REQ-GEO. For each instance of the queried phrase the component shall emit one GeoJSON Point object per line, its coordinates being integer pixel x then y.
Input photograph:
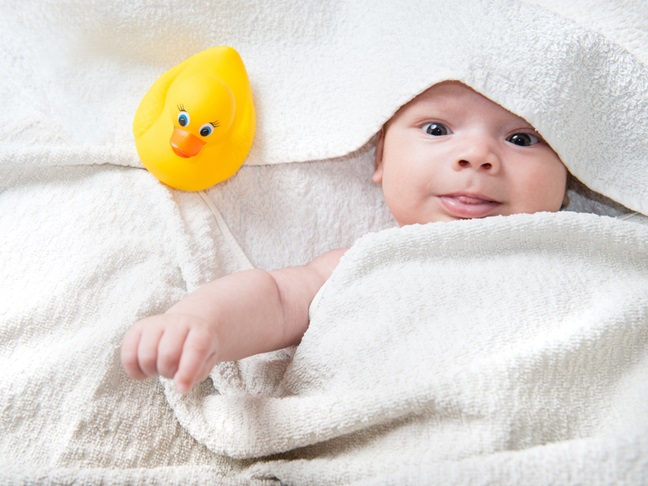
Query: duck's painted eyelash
{"type": "Point", "coordinates": [214, 124]}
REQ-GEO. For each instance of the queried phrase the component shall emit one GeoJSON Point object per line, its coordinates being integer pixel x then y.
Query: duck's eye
{"type": "Point", "coordinates": [206, 130]}
{"type": "Point", "coordinates": [183, 118]}
{"type": "Point", "coordinates": [523, 139]}
{"type": "Point", "coordinates": [436, 129]}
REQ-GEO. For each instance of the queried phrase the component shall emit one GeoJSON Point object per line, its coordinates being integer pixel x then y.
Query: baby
{"type": "Point", "coordinates": [448, 154]}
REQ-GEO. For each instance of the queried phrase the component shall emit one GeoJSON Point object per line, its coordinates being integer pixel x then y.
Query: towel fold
{"type": "Point", "coordinates": [467, 341]}
{"type": "Point", "coordinates": [322, 91]}
{"type": "Point", "coordinates": [91, 241]}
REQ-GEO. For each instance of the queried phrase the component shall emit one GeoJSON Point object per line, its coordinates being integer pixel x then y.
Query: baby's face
{"type": "Point", "coordinates": [453, 154]}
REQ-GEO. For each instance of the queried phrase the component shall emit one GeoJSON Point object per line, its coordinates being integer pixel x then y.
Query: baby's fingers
{"type": "Point", "coordinates": [170, 350]}
{"type": "Point", "coordinates": [147, 348]}
{"type": "Point", "coordinates": [197, 352]}
{"type": "Point", "coordinates": [129, 356]}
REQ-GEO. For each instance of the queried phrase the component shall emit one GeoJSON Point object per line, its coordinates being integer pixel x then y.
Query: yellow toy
{"type": "Point", "coordinates": [195, 126]}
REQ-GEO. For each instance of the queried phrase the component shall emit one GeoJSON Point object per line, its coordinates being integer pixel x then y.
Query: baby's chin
{"type": "Point", "coordinates": [436, 219]}
{"type": "Point", "coordinates": [448, 219]}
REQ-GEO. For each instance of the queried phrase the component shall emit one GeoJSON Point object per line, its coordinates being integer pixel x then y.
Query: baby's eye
{"type": "Point", "coordinates": [436, 129]}
{"type": "Point", "coordinates": [183, 118]}
{"type": "Point", "coordinates": [523, 139]}
{"type": "Point", "coordinates": [206, 130]}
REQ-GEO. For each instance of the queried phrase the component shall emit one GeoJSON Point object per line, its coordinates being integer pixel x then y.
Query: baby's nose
{"type": "Point", "coordinates": [482, 165]}
{"type": "Point", "coordinates": [478, 155]}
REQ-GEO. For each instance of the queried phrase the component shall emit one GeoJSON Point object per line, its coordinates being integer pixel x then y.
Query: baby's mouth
{"type": "Point", "coordinates": [461, 205]}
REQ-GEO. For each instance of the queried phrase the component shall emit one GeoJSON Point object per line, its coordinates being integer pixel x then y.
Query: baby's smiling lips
{"type": "Point", "coordinates": [464, 205]}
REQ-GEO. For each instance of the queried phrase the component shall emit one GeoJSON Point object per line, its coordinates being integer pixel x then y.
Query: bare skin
{"type": "Point", "coordinates": [233, 317]}
{"type": "Point", "coordinates": [449, 154]}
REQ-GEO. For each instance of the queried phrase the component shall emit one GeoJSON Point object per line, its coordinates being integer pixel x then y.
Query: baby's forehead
{"type": "Point", "coordinates": [449, 93]}
{"type": "Point", "coordinates": [453, 96]}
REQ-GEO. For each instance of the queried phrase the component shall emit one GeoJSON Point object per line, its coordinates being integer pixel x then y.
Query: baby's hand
{"type": "Point", "coordinates": [178, 346]}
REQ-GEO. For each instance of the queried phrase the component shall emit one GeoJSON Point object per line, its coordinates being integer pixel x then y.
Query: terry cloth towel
{"type": "Point", "coordinates": [90, 241]}
{"type": "Point", "coordinates": [435, 345]}
{"type": "Point", "coordinates": [327, 75]}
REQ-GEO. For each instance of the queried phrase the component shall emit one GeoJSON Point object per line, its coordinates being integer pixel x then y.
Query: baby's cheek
{"type": "Point", "coordinates": [548, 197]}
{"type": "Point", "coordinates": [548, 182]}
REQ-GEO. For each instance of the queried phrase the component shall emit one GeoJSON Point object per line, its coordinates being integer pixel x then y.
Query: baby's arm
{"type": "Point", "coordinates": [236, 316]}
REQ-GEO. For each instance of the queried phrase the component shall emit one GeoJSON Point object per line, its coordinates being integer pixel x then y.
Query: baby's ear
{"type": "Point", "coordinates": [568, 184]}
{"type": "Point", "coordinates": [378, 162]}
{"type": "Point", "coordinates": [565, 202]}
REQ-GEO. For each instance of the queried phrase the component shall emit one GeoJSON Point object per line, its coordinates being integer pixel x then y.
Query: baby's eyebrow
{"type": "Point", "coordinates": [533, 129]}
{"type": "Point", "coordinates": [527, 128]}
{"type": "Point", "coordinates": [436, 104]}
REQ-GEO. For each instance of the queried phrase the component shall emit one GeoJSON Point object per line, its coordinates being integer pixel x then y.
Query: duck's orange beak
{"type": "Point", "coordinates": [185, 144]}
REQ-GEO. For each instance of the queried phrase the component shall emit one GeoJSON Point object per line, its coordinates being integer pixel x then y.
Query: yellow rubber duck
{"type": "Point", "coordinates": [194, 127]}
